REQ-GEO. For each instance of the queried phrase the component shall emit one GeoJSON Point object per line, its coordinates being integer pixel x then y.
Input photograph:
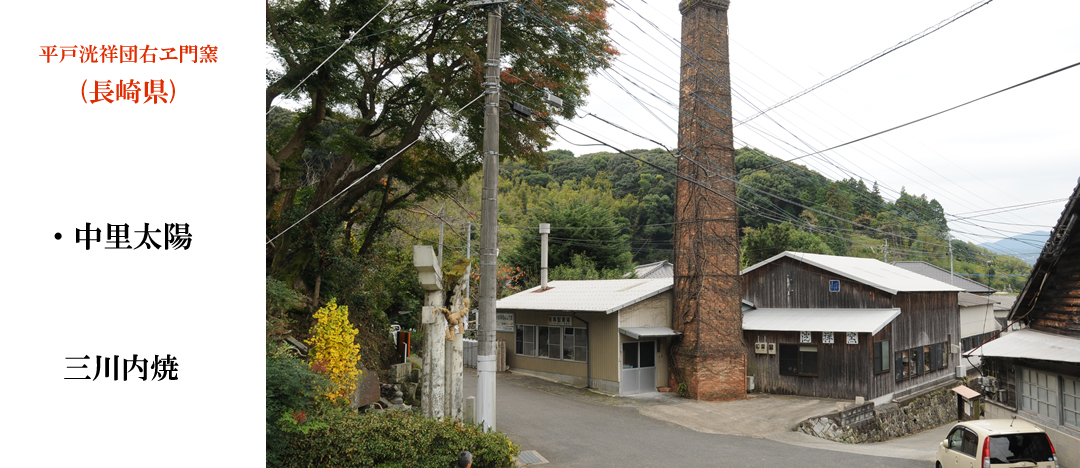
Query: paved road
{"type": "Point", "coordinates": [571, 427]}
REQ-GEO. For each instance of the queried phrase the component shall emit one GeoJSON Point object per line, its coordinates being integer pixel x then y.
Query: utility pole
{"type": "Point", "coordinates": [952, 275]}
{"type": "Point", "coordinates": [489, 207]}
{"type": "Point", "coordinates": [886, 250]}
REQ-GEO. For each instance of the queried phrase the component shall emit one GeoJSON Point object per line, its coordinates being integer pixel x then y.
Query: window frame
{"type": "Point", "coordinates": [800, 364]}
{"type": "Point", "coordinates": [576, 348]}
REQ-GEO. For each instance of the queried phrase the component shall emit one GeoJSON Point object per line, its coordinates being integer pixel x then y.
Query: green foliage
{"type": "Point", "coordinates": [582, 267]}
{"type": "Point", "coordinates": [291, 386]}
{"type": "Point", "coordinates": [395, 439]}
{"type": "Point", "coordinates": [585, 219]}
{"type": "Point", "coordinates": [760, 244]}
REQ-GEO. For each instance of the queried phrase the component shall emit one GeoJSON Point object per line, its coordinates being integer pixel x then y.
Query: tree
{"type": "Point", "coordinates": [760, 244]}
{"type": "Point", "coordinates": [394, 89]}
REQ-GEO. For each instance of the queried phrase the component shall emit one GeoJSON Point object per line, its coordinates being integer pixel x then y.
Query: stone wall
{"type": "Point", "coordinates": [890, 421]}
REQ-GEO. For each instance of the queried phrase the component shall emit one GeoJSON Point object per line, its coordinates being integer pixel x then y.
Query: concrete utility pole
{"type": "Point", "coordinates": [489, 207]}
{"type": "Point", "coordinates": [951, 274]}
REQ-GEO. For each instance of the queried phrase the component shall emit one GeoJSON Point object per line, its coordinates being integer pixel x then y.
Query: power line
{"type": "Point", "coordinates": [883, 53]}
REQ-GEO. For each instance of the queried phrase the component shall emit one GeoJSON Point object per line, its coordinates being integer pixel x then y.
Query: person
{"type": "Point", "coordinates": [464, 460]}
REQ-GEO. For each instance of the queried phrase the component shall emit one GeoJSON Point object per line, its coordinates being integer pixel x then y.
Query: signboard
{"type": "Point", "coordinates": [559, 320]}
{"type": "Point", "coordinates": [827, 337]}
{"type": "Point", "coordinates": [834, 285]}
{"type": "Point", "coordinates": [504, 323]}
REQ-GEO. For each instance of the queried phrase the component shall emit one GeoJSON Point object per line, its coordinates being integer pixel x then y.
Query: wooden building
{"type": "Point", "coordinates": [611, 335]}
{"type": "Point", "coordinates": [844, 327]}
{"type": "Point", "coordinates": [1034, 372]}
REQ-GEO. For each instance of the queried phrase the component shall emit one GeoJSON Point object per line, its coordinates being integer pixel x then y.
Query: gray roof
{"type": "Point", "coordinates": [646, 332]}
{"type": "Point", "coordinates": [586, 295]}
{"type": "Point", "coordinates": [971, 300]}
{"type": "Point", "coordinates": [1031, 344]}
{"type": "Point", "coordinates": [868, 271]}
{"type": "Point", "coordinates": [943, 275]}
{"type": "Point", "coordinates": [661, 269]}
{"type": "Point", "coordinates": [835, 320]}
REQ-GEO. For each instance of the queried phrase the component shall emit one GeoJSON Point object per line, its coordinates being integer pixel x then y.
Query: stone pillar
{"type": "Point", "coordinates": [710, 357]}
{"type": "Point", "coordinates": [433, 325]}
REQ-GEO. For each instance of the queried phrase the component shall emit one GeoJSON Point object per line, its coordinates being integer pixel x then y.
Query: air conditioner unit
{"type": "Point", "coordinates": [760, 348]}
{"type": "Point", "coordinates": [961, 372]}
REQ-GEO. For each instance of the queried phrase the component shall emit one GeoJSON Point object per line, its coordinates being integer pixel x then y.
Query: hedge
{"type": "Point", "coordinates": [394, 439]}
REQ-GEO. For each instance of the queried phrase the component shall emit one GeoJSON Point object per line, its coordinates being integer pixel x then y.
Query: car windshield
{"type": "Point", "coordinates": [1012, 448]}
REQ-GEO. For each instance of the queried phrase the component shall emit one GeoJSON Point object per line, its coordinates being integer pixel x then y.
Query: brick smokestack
{"type": "Point", "coordinates": [710, 357]}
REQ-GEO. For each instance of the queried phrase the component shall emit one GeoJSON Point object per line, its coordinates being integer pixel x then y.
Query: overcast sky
{"type": "Point", "coordinates": [1014, 148]}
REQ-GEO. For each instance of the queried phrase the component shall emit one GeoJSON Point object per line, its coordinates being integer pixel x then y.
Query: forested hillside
{"type": "Point", "coordinates": [609, 211]}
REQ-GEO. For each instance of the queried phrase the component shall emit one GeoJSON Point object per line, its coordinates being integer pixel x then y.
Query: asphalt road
{"type": "Point", "coordinates": [575, 428]}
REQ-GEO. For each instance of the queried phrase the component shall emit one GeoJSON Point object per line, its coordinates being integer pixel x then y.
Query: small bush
{"type": "Point", "coordinates": [291, 386]}
{"type": "Point", "coordinates": [334, 351]}
{"type": "Point", "coordinates": [395, 439]}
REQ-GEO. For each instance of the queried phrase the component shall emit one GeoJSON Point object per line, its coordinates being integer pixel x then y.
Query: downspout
{"type": "Point", "coordinates": [588, 353]}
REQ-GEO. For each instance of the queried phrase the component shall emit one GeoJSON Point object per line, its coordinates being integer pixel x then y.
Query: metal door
{"type": "Point", "coordinates": [639, 367]}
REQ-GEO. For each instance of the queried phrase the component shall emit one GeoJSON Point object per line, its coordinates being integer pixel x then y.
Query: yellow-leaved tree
{"type": "Point", "coordinates": [333, 351]}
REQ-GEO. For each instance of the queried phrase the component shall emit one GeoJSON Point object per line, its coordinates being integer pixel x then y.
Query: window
{"type": "Point", "coordinates": [1071, 402]}
{"type": "Point", "coordinates": [639, 354]}
{"type": "Point", "coordinates": [542, 341]}
{"type": "Point", "coordinates": [1039, 393]}
{"type": "Point", "coordinates": [798, 360]}
{"type": "Point", "coordinates": [525, 340]}
{"type": "Point", "coordinates": [963, 441]}
{"type": "Point", "coordinates": [565, 343]}
{"type": "Point", "coordinates": [568, 344]}
{"type": "Point", "coordinates": [926, 360]}
{"type": "Point", "coordinates": [555, 342]}
{"type": "Point", "coordinates": [881, 357]}
{"type": "Point", "coordinates": [581, 345]}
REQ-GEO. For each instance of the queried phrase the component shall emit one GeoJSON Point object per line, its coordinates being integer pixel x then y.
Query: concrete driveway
{"type": "Point", "coordinates": [572, 427]}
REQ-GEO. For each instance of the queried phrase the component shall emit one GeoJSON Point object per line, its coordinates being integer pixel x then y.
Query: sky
{"type": "Point", "coordinates": [1014, 148]}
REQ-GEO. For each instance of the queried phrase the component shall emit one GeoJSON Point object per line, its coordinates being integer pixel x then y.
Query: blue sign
{"type": "Point", "coordinates": [834, 285]}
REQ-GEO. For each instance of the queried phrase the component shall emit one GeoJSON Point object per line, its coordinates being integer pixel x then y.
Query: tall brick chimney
{"type": "Point", "coordinates": [710, 357]}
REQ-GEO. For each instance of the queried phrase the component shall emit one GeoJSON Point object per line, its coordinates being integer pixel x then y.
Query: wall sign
{"type": "Point", "coordinates": [804, 337]}
{"type": "Point", "coordinates": [852, 338]}
{"type": "Point", "coordinates": [504, 323]}
{"type": "Point", "coordinates": [559, 320]}
{"type": "Point", "coordinates": [827, 337]}
{"type": "Point", "coordinates": [834, 285]}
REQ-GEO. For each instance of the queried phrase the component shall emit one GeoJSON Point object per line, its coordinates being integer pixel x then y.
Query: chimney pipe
{"type": "Point", "coordinates": [545, 228]}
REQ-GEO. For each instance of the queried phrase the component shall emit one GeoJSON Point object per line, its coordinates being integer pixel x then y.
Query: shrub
{"type": "Point", "coordinates": [395, 439]}
{"type": "Point", "coordinates": [333, 349]}
{"type": "Point", "coordinates": [291, 386]}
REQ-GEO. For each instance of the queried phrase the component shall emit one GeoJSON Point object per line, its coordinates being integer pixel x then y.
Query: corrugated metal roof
{"type": "Point", "coordinates": [586, 295]}
{"type": "Point", "coordinates": [1031, 344]}
{"type": "Point", "coordinates": [638, 332]}
{"type": "Point", "coordinates": [819, 320]}
{"type": "Point", "coordinates": [943, 275]}
{"type": "Point", "coordinates": [868, 271]}
{"type": "Point", "coordinates": [661, 269]}
{"type": "Point", "coordinates": [971, 300]}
